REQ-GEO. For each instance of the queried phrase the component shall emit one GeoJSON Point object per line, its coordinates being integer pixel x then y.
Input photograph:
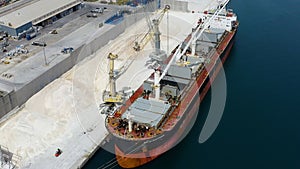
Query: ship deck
{"type": "Point", "coordinates": [119, 128]}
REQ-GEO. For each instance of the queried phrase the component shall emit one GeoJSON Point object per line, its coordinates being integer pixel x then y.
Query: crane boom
{"type": "Point", "coordinates": [198, 32]}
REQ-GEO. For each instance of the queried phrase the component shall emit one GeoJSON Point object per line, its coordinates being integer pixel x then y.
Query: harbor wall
{"type": "Point", "coordinates": [5, 103]}
{"type": "Point", "coordinates": [18, 97]}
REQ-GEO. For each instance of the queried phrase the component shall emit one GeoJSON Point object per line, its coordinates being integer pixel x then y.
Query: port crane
{"type": "Point", "coordinates": [195, 35]}
{"type": "Point", "coordinates": [149, 35]}
{"type": "Point", "coordinates": [112, 96]}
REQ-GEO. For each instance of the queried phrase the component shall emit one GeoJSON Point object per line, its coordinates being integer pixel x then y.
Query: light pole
{"type": "Point", "coordinates": [45, 54]}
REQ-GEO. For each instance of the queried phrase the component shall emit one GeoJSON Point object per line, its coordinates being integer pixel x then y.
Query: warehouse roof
{"type": "Point", "coordinates": [36, 12]}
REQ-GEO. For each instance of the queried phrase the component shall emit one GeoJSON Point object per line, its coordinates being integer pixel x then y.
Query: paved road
{"type": "Point", "coordinates": [8, 83]}
{"type": "Point", "coordinates": [14, 6]}
{"type": "Point", "coordinates": [65, 26]}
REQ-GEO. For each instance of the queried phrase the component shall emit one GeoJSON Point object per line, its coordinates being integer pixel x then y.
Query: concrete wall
{"type": "Point", "coordinates": [176, 5]}
{"type": "Point", "coordinates": [5, 103]}
{"type": "Point", "coordinates": [19, 97]}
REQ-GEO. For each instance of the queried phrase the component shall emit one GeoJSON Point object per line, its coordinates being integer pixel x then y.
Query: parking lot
{"type": "Point", "coordinates": [52, 33]}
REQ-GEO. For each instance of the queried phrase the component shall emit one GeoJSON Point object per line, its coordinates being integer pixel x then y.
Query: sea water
{"type": "Point", "coordinates": [260, 127]}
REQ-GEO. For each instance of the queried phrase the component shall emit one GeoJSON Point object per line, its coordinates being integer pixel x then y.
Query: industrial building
{"type": "Point", "coordinates": [39, 13]}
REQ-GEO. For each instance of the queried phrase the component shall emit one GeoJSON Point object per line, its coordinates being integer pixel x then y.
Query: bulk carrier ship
{"type": "Point", "coordinates": [158, 114]}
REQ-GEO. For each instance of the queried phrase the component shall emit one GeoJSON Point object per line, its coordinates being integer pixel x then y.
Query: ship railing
{"type": "Point", "coordinates": [166, 117]}
{"type": "Point", "coordinates": [121, 130]}
{"type": "Point", "coordinates": [221, 39]}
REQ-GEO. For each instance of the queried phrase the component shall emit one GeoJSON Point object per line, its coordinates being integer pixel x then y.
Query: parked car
{"type": "Point", "coordinates": [53, 31]}
{"type": "Point", "coordinates": [67, 50]}
{"type": "Point", "coordinates": [97, 10]}
{"type": "Point", "coordinates": [94, 15]}
{"type": "Point", "coordinates": [39, 43]}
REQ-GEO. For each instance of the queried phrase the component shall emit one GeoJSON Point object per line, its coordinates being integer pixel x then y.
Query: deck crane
{"type": "Point", "coordinates": [149, 35]}
{"type": "Point", "coordinates": [196, 34]}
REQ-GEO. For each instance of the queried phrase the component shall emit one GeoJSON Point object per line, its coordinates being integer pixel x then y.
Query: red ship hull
{"type": "Point", "coordinates": [131, 160]}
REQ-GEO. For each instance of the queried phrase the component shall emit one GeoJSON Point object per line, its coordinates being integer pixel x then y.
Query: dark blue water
{"type": "Point", "coordinates": [260, 127]}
